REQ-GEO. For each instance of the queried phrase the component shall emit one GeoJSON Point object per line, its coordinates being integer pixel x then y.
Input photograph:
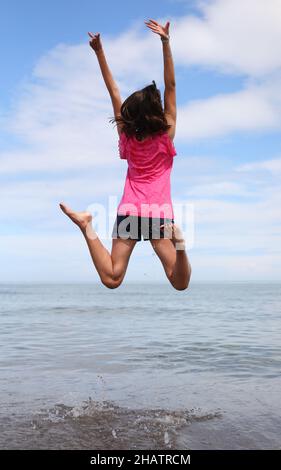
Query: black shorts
{"type": "Point", "coordinates": [136, 226]}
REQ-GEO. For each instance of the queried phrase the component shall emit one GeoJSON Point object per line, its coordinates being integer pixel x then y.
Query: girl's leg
{"type": "Point", "coordinates": [111, 267]}
{"type": "Point", "coordinates": [173, 257]}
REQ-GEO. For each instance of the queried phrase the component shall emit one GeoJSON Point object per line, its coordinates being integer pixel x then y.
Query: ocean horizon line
{"type": "Point", "coordinates": [203, 281]}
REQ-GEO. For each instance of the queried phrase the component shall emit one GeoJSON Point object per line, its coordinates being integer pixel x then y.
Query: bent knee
{"type": "Point", "coordinates": [111, 283]}
{"type": "Point", "coordinates": [180, 285]}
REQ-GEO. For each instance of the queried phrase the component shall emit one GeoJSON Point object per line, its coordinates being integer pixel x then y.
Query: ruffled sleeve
{"type": "Point", "coordinates": [122, 146]}
{"type": "Point", "coordinates": [170, 145]}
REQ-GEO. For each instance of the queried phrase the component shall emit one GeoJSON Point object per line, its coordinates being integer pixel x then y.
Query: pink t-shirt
{"type": "Point", "coordinates": [147, 190]}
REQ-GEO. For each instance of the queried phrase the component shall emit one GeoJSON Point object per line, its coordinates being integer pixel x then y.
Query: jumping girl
{"type": "Point", "coordinates": [146, 132]}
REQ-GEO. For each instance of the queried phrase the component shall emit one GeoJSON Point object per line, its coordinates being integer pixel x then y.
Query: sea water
{"type": "Point", "coordinates": [140, 367]}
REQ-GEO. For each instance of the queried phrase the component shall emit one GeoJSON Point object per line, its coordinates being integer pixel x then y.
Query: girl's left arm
{"type": "Point", "coordinates": [110, 83]}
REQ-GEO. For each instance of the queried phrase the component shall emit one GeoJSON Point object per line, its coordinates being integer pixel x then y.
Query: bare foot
{"type": "Point", "coordinates": [82, 219]}
{"type": "Point", "coordinates": [175, 234]}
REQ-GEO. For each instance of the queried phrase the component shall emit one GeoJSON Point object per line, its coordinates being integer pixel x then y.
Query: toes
{"type": "Point", "coordinates": [65, 207]}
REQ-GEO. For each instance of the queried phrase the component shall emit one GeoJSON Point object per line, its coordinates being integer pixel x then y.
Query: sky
{"type": "Point", "coordinates": [56, 142]}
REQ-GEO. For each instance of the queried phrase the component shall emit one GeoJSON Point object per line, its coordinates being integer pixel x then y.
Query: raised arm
{"type": "Point", "coordinates": [111, 85]}
{"type": "Point", "coordinates": [96, 45]}
{"type": "Point", "coordinates": [170, 107]}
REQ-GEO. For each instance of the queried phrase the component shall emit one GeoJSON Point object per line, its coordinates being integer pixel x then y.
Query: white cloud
{"type": "Point", "coordinates": [220, 188]}
{"type": "Point", "coordinates": [235, 36]}
{"type": "Point", "coordinates": [235, 213]}
{"type": "Point", "coordinates": [64, 257]}
{"type": "Point", "coordinates": [37, 201]}
{"type": "Point", "coordinates": [256, 108]}
{"type": "Point", "coordinates": [236, 266]}
{"type": "Point", "coordinates": [62, 118]}
{"type": "Point", "coordinates": [272, 166]}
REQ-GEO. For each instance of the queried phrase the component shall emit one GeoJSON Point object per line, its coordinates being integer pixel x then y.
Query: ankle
{"type": "Point", "coordinates": [180, 245]}
{"type": "Point", "coordinates": [88, 230]}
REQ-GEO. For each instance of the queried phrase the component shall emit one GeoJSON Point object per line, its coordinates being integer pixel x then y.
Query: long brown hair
{"type": "Point", "coordinates": [142, 113]}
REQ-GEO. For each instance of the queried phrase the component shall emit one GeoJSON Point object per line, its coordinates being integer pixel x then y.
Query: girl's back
{"type": "Point", "coordinates": [147, 182]}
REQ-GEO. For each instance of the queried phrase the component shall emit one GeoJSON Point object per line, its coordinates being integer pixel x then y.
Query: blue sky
{"type": "Point", "coordinates": [56, 143]}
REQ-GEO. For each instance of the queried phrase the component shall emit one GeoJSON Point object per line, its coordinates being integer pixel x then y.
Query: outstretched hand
{"type": "Point", "coordinates": [95, 42]}
{"type": "Point", "coordinates": [155, 27]}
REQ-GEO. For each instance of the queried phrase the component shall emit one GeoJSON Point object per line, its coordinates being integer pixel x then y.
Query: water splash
{"type": "Point", "coordinates": [105, 425]}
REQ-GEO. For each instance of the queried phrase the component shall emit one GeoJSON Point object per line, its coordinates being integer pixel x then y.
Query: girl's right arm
{"type": "Point", "coordinates": [170, 107]}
